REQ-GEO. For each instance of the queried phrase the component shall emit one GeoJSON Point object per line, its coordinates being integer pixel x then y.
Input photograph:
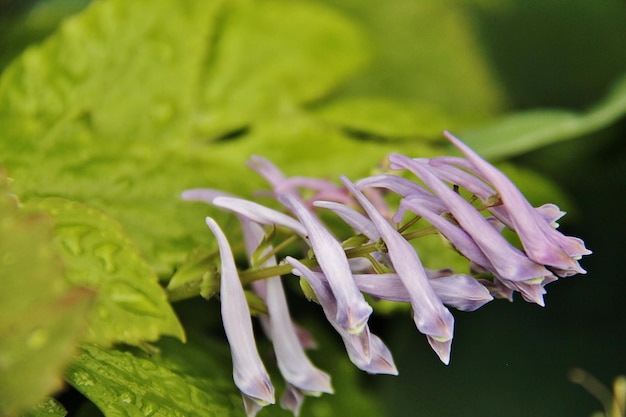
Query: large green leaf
{"type": "Point", "coordinates": [130, 307]}
{"type": "Point", "coordinates": [42, 313]}
{"type": "Point", "coordinates": [526, 131]}
{"type": "Point", "coordinates": [271, 55]}
{"type": "Point", "coordinates": [300, 145]}
{"type": "Point", "coordinates": [385, 119]}
{"type": "Point", "coordinates": [180, 381]}
{"type": "Point", "coordinates": [114, 109]}
{"type": "Point", "coordinates": [426, 51]}
{"type": "Point", "coordinates": [194, 379]}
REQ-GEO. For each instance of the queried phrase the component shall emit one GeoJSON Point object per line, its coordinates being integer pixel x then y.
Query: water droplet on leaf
{"type": "Point", "coordinates": [82, 379]}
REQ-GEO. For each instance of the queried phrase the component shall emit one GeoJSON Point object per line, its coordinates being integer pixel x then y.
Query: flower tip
{"type": "Point", "coordinates": [205, 195]}
{"type": "Point", "coordinates": [450, 136]}
{"type": "Point", "coordinates": [191, 195]}
{"type": "Point", "coordinates": [441, 348]}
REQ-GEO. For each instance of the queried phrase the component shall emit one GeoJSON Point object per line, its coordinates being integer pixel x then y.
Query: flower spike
{"type": "Point", "coordinates": [377, 259]}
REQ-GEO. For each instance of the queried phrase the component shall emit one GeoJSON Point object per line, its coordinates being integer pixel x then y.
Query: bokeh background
{"type": "Point", "coordinates": [478, 60]}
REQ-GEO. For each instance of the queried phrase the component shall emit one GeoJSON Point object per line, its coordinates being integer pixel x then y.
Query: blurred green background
{"type": "Point", "coordinates": [475, 61]}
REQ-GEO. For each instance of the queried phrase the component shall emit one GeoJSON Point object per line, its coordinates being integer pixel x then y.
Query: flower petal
{"type": "Point", "coordinates": [429, 313]}
{"type": "Point", "coordinates": [367, 351]}
{"type": "Point", "coordinates": [460, 291]}
{"type": "Point", "coordinates": [249, 372]}
{"type": "Point", "coordinates": [292, 361]}
{"type": "Point", "coordinates": [352, 309]}
{"type": "Point", "coordinates": [352, 218]}
{"type": "Point", "coordinates": [541, 241]}
{"type": "Point", "coordinates": [259, 213]}
{"type": "Point", "coordinates": [508, 261]}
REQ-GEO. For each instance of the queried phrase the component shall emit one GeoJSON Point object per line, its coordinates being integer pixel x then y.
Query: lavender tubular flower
{"type": "Point", "coordinates": [509, 262]}
{"type": "Point", "coordinates": [456, 235]}
{"type": "Point", "coordinates": [446, 168]}
{"type": "Point", "coordinates": [365, 350]}
{"type": "Point", "coordinates": [292, 399]}
{"type": "Point", "coordinates": [293, 363]}
{"type": "Point", "coordinates": [401, 186]}
{"type": "Point", "coordinates": [352, 218]}
{"type": "Point", "coordinates": [205, 195]}
{"type": "Point", "coordinates": [323, 189]}
{"type": "Point", "coordinates": [249, 372]}
{"type": "Point", "coordinates": [429, 314]}
{"type": "Point", "coordinates": [266, 169]}
{"type": "Point", "coordinates": [460, 291]}
{"type": "Point", "coordinates": [258, 213]}
{"type": "Point", "coordinates": [392, 182]}
{"type": "Point", "coordinates": [352, 309]}
{"type": "Point", "coordinates": [542, 243]}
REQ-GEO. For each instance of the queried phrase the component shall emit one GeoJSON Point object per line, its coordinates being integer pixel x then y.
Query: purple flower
{"type": "Point", "coordinates": [259, 213]}
{"type": "Point", "coordinates": [365, 350]}
{"type": "Point", "coordinates": [352, 218]}
{"type": "Point", "coordinates": [324, 190]}
{"type": "Point", "coordinates": [429, 314]}
{"type": "Point", "coordinates": [352, 309]}
{"type": "Point", "coordinates": [394, 183]}
{"type": "Point", "coordinates": [508, 261]}
{"type": "Point", "coordinates": [459, 238]}
{"type": "Point", "coordinates": [249, 373]}
{"type": "Point", "coordinates": [272, 174]}
{"type": "Point", "coordinates": [292, 399]}
{"type": "Point", "coordinates": [293, 363]}
{"type": "Point", "coordinates": [541, 241]}
{"type": "Point", "coordinates": [205, 195]}
{"type": "Point", "coordinates": [460, 291]}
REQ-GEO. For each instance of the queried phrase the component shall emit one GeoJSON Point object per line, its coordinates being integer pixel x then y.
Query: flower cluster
{"type": "Point", "coordinates": [380, 261]}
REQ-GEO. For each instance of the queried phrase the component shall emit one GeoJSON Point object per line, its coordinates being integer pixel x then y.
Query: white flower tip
{"type": "Point", "coordinates": [260, 391]}
{"type": "Point", "coordinates": [442, 348]}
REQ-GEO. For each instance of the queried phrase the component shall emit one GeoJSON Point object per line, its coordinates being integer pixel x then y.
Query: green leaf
{"type": "Point", "coordinates": [104, 112]}
{"type": "Point", "coordinates": [427, 51]}
{"type": "Point", "coordinates": [47, 408]}
{"type": "Point", "coordinates": [387, 119]}
{"type": "Point", "coordinates": [42, 313]}
{"type": "Point", "coordinates": [131, 306]}
{"type": "Point", "coordinates": [272, 55]}
{"type": "Point", "coordinates": [526, 131]}
{"type": "Point", "coordinates": [194, 379]}
{"type": "Point", "coordinates": [181, 380]}
{"type": "Point", "coordinates": [301, 145]}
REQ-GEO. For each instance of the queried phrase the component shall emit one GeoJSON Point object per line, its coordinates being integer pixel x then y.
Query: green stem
{"type": "Point", "coordinates": [421, 233]}
{"type": "Point", "coordinates": [252, 275]}
{"type": "Point", "coordinates": [278, 248]}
